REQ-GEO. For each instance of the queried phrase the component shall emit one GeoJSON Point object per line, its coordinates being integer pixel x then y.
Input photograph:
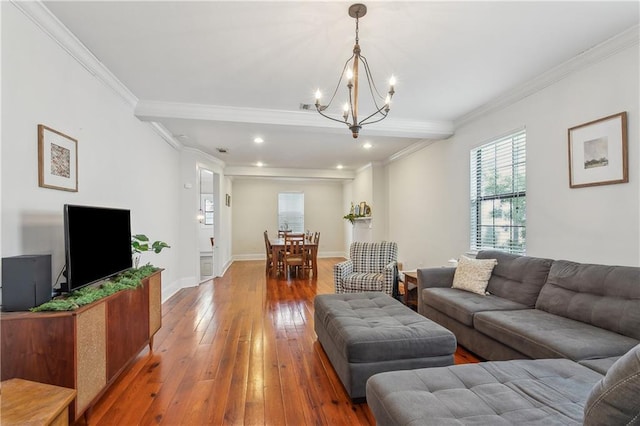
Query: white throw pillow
{"type": "Point", "coordinates": [473, 274]}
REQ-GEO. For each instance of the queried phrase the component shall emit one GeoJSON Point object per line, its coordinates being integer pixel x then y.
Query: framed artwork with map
{"type": "Point", "coordinates": [57, 160]}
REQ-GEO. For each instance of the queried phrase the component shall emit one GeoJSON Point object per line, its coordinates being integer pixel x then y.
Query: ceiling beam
{"type": "Point", "coordinates": [154, 110]}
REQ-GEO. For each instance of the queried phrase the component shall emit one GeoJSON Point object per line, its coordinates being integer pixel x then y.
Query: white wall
{"type": "Point", "coordinates": [429, 190]}
{"type": "Point", "coordinates": [121, 161]}
{"type": "Point", "coordinates": [255, 208]}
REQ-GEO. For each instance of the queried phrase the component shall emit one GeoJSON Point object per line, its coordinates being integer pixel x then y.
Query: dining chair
{"type": "Point", "coordinates": [282, 233]}
{"type": "Point", "coordinates": [270, 261]}
{"type": "Point", "coordinates": [312, 253]}
{"type": "Point", "coordinates": [295, 253]}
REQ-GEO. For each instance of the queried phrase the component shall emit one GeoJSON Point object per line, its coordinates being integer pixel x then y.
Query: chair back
{"type": "Point", "coordinates": [372, 257]}
{"type": "Point", "coordinates": [316, 238]}
{"type": "Point", "coordinates": [295, 247]}
{"type": "Point", "coordinates": [267, 243]}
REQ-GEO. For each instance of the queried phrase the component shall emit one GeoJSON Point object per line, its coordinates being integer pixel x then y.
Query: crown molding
{"type": "Point", "coordinates": [152, 110]}
{"type": "Point", "coordinates": [50, 25]}
{"type": "Point", "coordinates": [410, 150]}
{"type": "Point", "coordinates": [209, 157]}
{"type": "Point", "coordinates": [166, 135]}
{"type": "Point", "coordinates": [597, 53]}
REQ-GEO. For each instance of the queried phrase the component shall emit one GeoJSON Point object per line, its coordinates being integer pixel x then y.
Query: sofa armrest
{"type": "Point", "coordinates": [435, 277]}
{"type": "Point", "coordinates": [343, 269]}
{"type": "Point", "coordinates": [340, 271]}
{"type": "Point", "coordinates": [391, 278]}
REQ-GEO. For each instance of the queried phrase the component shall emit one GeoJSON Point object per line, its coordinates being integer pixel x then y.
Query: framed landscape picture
{"type": "Point", "coordinates": [598, 152]}
{"type": "Point", "coordinates": [57, 160]}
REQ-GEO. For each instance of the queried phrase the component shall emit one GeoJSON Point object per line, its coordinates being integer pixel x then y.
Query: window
{"type": "Point", "coordinates": [498, 194]}
{"type": "Point", "coordinates": [291, 211]}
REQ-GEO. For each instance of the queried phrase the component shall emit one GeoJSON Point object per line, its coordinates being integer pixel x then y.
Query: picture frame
{"type": "Point", "coordinates": [362, 208]}
{"type": "Point", "coordinates": [227, 200]}
{"type": "Point", "coordinates": [57, 160]}
{"type": "Point", "coordinates": [598, 152]}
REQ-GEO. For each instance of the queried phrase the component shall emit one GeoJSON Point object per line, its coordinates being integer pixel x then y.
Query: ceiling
{"type": "Point", "coordinates": [217, 74]}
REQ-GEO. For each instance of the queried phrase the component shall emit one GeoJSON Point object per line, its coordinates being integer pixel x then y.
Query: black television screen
{"type": "Point", "coordinates": [97, 244]}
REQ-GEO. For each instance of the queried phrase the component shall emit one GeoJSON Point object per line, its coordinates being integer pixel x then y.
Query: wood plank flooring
{"type": "Point", "coordinates": [237, 350]}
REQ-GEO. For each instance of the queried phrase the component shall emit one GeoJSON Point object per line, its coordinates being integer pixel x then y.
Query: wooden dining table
{"type": "Point", "coordinates": [277, 246]}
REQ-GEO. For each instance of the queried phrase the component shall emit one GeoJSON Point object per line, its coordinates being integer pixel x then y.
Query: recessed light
{"type": "Point", "coordinates": [339, 167]}
{"type": "Point", "coordinates": [259, 164]}
{"type": "Point", "coordinates": [367, 145]}
{"type": "Point", "coordinates": [258, 140]}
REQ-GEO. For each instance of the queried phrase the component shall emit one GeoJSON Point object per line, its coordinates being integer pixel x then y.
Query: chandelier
{"type": "Point", "coordinates": [351, 72]}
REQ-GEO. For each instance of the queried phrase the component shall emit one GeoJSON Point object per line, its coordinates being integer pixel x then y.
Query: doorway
{"type": "Point", "coordinates": [206, 228]}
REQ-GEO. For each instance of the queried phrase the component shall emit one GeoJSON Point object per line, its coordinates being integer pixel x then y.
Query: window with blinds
{"type": "Point", "coordinates": [498, 194]}
{"type": "Point", "coordinates": [291, 211]}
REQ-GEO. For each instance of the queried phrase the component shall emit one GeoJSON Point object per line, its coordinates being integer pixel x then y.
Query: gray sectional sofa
{"type": "Point", "coordinates": [562, 340]}
{"type": "Point", "coordinates": [539, 308]}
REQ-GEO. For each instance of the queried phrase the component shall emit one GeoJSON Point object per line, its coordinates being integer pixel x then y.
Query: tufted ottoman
{"type": "Point", "coordinates": [368, 333]}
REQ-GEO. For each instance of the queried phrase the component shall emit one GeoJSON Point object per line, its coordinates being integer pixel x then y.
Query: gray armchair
{"type": "Point", "coordinates": [371, 267]}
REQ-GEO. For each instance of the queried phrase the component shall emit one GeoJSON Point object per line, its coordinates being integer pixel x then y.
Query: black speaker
{"type": "Point", "coordinates": [26, 281]}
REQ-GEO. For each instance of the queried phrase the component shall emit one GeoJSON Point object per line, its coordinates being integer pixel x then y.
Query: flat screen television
{"type": "Point", "coordinates": [97, 244]}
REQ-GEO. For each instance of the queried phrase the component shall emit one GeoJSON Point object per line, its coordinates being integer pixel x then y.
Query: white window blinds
{"type": "Point", "coordinates": [498, 195]}
{"type": "Point", "coordinates": [291, 211]}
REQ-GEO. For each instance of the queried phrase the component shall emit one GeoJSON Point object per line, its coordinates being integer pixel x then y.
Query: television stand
{"type": "Point", "coordinates": [86, 349]}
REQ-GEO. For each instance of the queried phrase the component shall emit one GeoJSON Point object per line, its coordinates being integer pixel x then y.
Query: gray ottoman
{"type": "Point", "coordinates": [368, 333]}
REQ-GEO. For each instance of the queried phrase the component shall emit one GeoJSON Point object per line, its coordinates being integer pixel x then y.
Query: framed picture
{"type": "Point", "coordinates": [227, 200]}
{"type": "Point", "coordinates": [598, 152]}
{"type": "Point", "coordinates": [363, 208]}
{"type": "Point", "coordinates": [57, 160]}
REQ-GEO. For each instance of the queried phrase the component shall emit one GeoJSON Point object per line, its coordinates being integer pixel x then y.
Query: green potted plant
{"type": "Point", "coordinates": [140, 244]}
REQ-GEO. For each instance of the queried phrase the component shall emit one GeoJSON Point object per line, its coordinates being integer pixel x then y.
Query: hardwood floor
{"type": "Point", "coordinates": [237, 350]}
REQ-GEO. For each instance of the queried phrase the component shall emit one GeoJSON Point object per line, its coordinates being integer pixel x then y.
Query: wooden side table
{"type": "Point", "coordinates": [25, 402]}
{"type": "Point", "coordinates": [411, 295]}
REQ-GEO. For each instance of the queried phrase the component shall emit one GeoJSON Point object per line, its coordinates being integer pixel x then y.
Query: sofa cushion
{"type": "Point", "coordinates": [541, 392]}
{"type": "Point", "coordinates": [601, 365]}
{"type": "Point", "coordinates": [462, 305]}
{"type": "Point", "coordinates": [614, 399]}
{"type": "Point", "coordinates": [604, 296]}
{"type": "Point", "coordinates": [473, 274]}
{"type": "Point", "coordinates": [539, 334]}
{"type": "Point", "coordinates": [517, 278]}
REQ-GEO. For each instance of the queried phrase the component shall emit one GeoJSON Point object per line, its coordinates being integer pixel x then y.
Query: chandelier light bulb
{"type": "Point", "coordinates": [387, 101]}
{"type": "Point", "coordinates": [345, 107]}
{"type": "Point", "coordinates": [349, 74]}
{"type": "Point", "coordinates": [392, 81]}
{"type": "Point", "coordinates": [318, 95]}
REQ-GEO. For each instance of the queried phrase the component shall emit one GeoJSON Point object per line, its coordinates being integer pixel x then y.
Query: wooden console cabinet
{"type": "Point", "coordinates": [85, 349]}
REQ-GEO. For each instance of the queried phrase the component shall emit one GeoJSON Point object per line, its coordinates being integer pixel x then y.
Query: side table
{"type": "Point", "coordinates": [411, 289]}
{"type": "Point", "coordinates": [25, 402]}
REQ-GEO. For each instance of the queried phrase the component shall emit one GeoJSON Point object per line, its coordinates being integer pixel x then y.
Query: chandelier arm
{"type": "Point", "coordinates": [379, 111]}
{"type": "Point", "coordinates": [370, 77]}
{"type": "Point", "coordinates": [331, 118]}
{"type": "Point", "coordinates": [339, 80]}
{"type": "Point", "coordinates": [371, 90]}
{"type": "Point", "coordinates": [362, 123]}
